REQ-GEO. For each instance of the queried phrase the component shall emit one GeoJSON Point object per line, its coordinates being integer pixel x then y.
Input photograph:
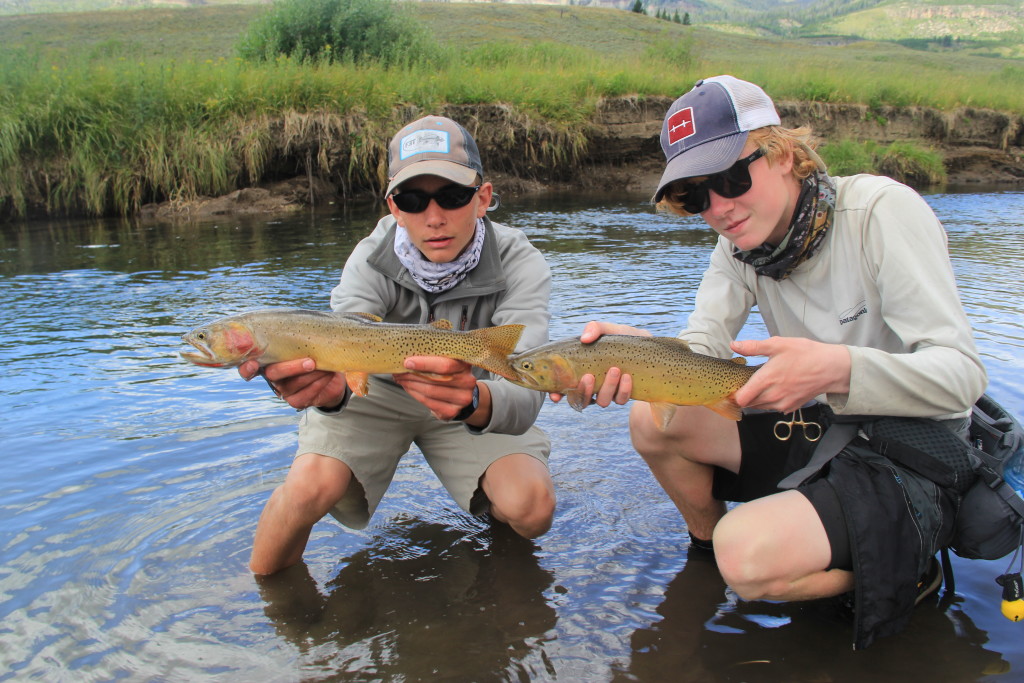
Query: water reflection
{"type": "Point", "coordinates": [133, 481]}
{"type": "Point", "coordinates": [173, 249]}
{"type": "Point", "coordinates": [423, 601]}
{"type": "Point", "coordinates": [704, 634]}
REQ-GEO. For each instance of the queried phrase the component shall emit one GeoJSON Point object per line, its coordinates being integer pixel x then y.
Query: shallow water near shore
{"type": "Point", "coordinates": [133, 481]}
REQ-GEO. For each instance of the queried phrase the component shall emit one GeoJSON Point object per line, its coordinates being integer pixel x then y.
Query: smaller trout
{"type": "Point", "coordinates": [665, 372]}
{"type": "Point", "coordinates": [358, 344]}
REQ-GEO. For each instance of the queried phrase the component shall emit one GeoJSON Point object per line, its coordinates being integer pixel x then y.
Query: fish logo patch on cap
{"type": "Point", "coordinates": [424, 141]}
{"type": "Point", "coordinates": [681, 125]}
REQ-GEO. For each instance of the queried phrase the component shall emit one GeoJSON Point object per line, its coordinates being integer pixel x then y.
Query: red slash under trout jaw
{"type": "Point", "coordinates": [221, 346]}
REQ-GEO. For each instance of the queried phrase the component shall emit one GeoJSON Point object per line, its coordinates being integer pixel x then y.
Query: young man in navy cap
{"type": "Point", "coordinates": [436, 256]}
{"type": "Point", "coordinates": [852, 278]}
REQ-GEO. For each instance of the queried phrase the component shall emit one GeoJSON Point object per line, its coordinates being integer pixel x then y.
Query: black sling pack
{"type": "Point", "coordinates": [990, 514]}
{"type": "Point", "coordinates": [988, 525]}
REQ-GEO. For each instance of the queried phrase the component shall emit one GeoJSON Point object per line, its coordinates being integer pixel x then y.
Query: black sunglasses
{"type": "Point", "coordinates": [448, 197]}
{"type": "Point", "coordinates": [730, 183]}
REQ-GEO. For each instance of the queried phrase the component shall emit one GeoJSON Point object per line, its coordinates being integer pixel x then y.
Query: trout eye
{"type": "Point", "coordinates": [201, 336]}
{"type": "Point", "coordinates": [527, 365]}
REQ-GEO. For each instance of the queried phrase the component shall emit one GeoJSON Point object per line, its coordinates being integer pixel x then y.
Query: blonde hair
{"type": "Point", "coordinates": [775, 142]}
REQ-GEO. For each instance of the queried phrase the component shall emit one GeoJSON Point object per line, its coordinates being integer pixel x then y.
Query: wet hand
{"type": "Point", "coordinates": [594, 330]}
{"type": "Point", "coordinates": [443, 385]}
{"type": "Point", "coordinates": [299, 383]}
{"type": "Point", "coordinates": [797, 371]}
{"type": "Point", "coordinates": [616, 388]}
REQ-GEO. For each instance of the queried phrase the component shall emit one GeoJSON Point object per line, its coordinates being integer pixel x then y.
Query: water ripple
{"type": "Point", "coordinates": [133, 481]}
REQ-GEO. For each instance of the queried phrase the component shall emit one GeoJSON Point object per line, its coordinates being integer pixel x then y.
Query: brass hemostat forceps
{"type": "Point", "coordinates": [784, 430]}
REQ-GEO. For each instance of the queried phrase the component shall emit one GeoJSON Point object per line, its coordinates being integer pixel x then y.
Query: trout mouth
{"type": "Point", "coordinates": [204, 357]}
{"type": "Point", "coordinates": [525, 379]}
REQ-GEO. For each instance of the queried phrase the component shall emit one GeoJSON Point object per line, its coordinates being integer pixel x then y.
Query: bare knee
{"type": "Point", "coordinates": [521, 494]}
{"type": "Point", "coordinates": [315, 483]}
{"type": "Point", "coordinates": [528, 507]}
{"type": "Point", "coordinates": [740, 560]}
{"type": "Point", "coordinates": [775, 548]}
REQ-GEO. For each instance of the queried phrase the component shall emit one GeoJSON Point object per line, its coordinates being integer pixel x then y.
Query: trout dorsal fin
{"type": "Point", "coordinates": [671, 342]}
{"type": "Point", "coordinates": [738, 360]}
{"type": "Point", "coordinates": [362, 317]}
{"type": "Point", "coordinates": [441, 324]}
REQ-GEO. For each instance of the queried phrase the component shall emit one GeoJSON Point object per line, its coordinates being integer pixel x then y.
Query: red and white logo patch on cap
{"type": "Point", "coordinates": [681, 126]}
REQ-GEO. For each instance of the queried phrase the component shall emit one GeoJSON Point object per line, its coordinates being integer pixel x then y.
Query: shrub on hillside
{"type": "Point", "coordinates": [907, 162]}
{"type": "Point", "coordinates": [337, 31]}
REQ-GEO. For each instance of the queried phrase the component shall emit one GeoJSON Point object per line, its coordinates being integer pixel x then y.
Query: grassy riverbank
{"type": "Point", "coordinates": [103, 112]}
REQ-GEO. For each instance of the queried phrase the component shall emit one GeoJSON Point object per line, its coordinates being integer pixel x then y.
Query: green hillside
{"type": "Point", "coordinates": [994, 28]}
{"type": "Point", "coordinates": [210, 32]}
{"type": "Point", "coordinates": [985, 27]}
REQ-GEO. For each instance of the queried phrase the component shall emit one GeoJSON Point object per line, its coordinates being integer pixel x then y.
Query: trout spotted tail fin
{"type": "Point", "coordinates": [498, 343]}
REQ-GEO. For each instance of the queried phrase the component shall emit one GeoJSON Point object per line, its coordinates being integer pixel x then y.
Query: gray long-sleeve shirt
{"type": "Point", "coordinates": [881, 284]}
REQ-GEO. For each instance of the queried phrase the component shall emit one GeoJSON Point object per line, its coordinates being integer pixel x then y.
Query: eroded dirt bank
{"type": "Point", "coordinates": [619, 150]}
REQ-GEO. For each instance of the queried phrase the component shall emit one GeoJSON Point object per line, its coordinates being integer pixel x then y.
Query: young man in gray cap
{"type": "Point", "coordinates": [436, 256]}
{"type": "Point", "coordinates": [852, 278]}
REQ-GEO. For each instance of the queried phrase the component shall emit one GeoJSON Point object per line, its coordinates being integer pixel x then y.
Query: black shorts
{"type": "Point", "coordinates": [766, 460]}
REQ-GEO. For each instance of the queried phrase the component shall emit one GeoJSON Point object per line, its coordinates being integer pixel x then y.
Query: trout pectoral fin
{"type": "Point", "coordinates": [576, 400]}
{"type": "Point", "coordinates": [358, 382]}
{"type": "Point", "coordinates": [727, 408]}
{"type": "Point", "coordinates": [662, 414]}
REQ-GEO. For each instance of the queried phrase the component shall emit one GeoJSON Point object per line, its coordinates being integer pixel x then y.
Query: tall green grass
{"type": "Point", "coordinates": [108, 135]}
{"type": "Point", "coordinates": [103, 126]}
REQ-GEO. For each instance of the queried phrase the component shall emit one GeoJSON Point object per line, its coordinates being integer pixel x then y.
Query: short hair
{"type": "Point", "coordinates": [775, 142]}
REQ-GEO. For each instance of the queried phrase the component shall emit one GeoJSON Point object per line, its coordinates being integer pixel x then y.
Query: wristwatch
{"type": "Point", "coordinates": [471, 408]}
{"type": "Point", "coordinates": [337, 409]}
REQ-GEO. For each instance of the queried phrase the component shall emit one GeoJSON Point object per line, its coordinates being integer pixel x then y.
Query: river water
{"type": "Point", "coordinates": [132, 481]}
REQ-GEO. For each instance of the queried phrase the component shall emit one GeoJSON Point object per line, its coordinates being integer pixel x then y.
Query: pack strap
{"type": "Point", "coordinates": [835, 440]}
{"type": "Point", "coordinates": [948, 580]}
{"type": "Point", "coordinates": [995, 481]}
{"type": "Point", "coordinates": [916, 460]}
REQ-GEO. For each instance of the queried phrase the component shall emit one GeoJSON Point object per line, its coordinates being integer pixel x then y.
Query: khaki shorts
{"type": "Point", "coordinates": [372, 433]}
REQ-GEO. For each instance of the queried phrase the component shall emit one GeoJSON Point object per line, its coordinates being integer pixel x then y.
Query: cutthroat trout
{"type": "Point", "coordinates": [358, 344]}
{"type": "Point", "coordinates": [666, 373]}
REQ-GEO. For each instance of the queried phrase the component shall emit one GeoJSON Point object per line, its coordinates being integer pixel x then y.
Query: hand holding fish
{"type": "Point", "coordinates": [797, 371]}
{"type": "Point", "coordinates": [299, 383]}
{"type": "Point", "coordinates": [444, 386]}
{"type": "Point", "coordinates": [617, 386]}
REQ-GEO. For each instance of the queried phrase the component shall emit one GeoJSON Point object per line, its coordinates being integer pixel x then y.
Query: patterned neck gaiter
{"type": "Point", "coordinates": [438, 277]}
{"type": "Point", "coordinates": [815, 210]}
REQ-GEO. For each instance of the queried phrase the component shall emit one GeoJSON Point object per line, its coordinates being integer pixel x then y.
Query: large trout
{"type": "Point", "coordinates": [666, 373]}
{"type": "Point", "coordinates": [358, 344]}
